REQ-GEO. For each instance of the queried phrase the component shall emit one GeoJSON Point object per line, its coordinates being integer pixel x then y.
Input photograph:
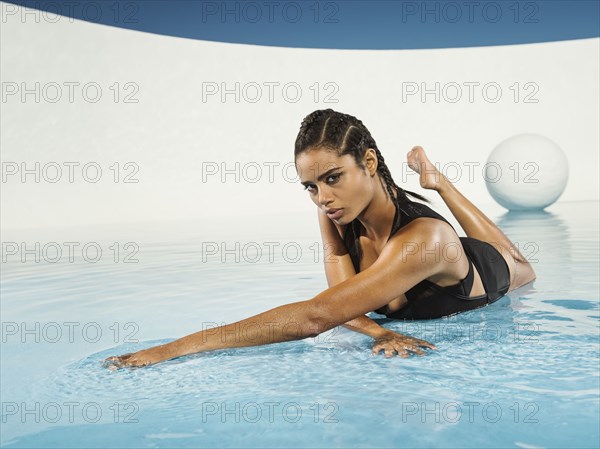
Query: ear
{"type": "Point", "coordinates": [370, 161]}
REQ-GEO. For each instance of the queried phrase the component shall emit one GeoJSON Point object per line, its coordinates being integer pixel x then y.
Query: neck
{"type": "Point", "coordinates": [378, 217]}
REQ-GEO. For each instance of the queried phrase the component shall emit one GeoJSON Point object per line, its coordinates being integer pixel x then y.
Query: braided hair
{"type": "Point", "coordinates": [345, 134]}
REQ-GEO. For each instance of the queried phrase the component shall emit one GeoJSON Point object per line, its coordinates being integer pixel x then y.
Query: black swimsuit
{"type": "Point", "coordinates": [427, 300]}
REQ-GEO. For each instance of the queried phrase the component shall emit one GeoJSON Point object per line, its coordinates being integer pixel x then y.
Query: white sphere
{"type": "Point", "coordinates": [526, 171]}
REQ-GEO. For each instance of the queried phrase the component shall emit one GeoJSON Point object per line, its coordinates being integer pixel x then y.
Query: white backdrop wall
{"type": "Point", "coordinates": [172, 134]}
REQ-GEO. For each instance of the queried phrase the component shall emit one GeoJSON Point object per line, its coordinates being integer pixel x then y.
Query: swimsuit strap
{"type": "Point", "coordinates": [467, 283]}
{"type": "Point", "coordinates": [406, 212]}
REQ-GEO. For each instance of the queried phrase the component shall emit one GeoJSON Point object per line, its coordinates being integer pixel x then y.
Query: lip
{"type": "Point", "coordinates": [334, 213]}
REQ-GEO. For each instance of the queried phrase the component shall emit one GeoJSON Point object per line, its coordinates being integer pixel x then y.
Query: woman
{"type": "Point", "coordinates": [384, 252]}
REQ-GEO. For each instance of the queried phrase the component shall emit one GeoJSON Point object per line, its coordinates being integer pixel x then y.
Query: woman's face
{"type": "Point", "coordinates": [335, 182]}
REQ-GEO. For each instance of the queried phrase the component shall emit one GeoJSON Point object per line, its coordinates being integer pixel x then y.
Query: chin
{"type": "Point", "coordinates": [343, 220]}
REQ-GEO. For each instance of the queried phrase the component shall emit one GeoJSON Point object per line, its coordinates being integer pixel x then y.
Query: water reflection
{"type": "Point", "coordinates": [562, 264]}
{"type": "Point", "coordinates": [544, 239]}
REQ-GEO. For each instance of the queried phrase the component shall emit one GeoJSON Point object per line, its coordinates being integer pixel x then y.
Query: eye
{"type": "Point", "coordinates": [335, 177]}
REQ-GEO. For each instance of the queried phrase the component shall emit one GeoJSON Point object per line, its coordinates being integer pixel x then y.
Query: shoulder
{"type": "Point", "coordinates": [424, 239]}
{"type": "Point", "coordinates": [426, 229]}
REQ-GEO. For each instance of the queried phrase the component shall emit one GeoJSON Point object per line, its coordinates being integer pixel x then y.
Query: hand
{"type": "Point", "coordinates": [391, 342]}
{"type": "Point", "coordinates": [141, 358]}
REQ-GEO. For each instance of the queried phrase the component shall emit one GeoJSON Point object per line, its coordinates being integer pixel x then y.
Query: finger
{"type": "Point", "coordinates": [408, 348]}
{"type": "Point", "coordinates": [417, 351]}
{"type": "Point", "coordinates": [399, 348]}
{"type": "Point", "coordinates": [426, 344]}
{"type": "Point", "coordinates": [125, 359]}
{"type": "Point", "coordinates": [402, 353]}
{"type": "Point", "coordinates": [113, 365]}
{"type": "Point", "coordinates": [112, 360]}
{"type": "Point", "coordinates": [119, 358]}
{"type": "Point", "coordinates": [108, 364]}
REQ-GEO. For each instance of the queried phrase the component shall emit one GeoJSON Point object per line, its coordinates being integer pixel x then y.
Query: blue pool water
{"type": "Point", "coordinates": [523, 372]}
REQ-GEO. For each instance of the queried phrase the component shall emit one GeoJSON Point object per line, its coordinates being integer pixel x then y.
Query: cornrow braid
{"type": "Point", "coordinates": [312, 117]}
{"type": "Point", "coordinates": [384, 171]}
{"type": "Point", "coordinates": [309, 123]}
{"type": "Point", "coordinates": [338, 125]}
{"type": "Point", "coordinates": [326, 127]}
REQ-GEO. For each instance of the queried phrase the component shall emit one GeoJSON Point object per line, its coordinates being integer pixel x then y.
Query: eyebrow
{"type": "Point", "coordinates": [324, 175]}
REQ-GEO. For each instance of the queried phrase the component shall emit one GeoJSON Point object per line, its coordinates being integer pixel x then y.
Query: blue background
{"type": "Point", "coordinates": [346, 24]}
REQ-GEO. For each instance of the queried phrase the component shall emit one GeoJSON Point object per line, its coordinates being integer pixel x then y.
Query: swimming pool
{"type": "Point", "coordinates": [523, 372]}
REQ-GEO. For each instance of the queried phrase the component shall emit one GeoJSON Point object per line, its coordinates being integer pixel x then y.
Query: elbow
{"type": "Point", "coordinates": [318, 320]}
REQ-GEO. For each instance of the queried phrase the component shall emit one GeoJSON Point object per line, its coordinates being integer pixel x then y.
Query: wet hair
{"type": "Point", "coordinates": [345, 134]}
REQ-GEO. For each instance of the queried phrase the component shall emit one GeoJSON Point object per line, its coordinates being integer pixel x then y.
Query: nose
{"type": "Point", "coordinates": [324, 196]}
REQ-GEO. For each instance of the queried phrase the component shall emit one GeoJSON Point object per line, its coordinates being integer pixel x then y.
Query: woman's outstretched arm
{"type": "Point", "coordinates": [398, 268]}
